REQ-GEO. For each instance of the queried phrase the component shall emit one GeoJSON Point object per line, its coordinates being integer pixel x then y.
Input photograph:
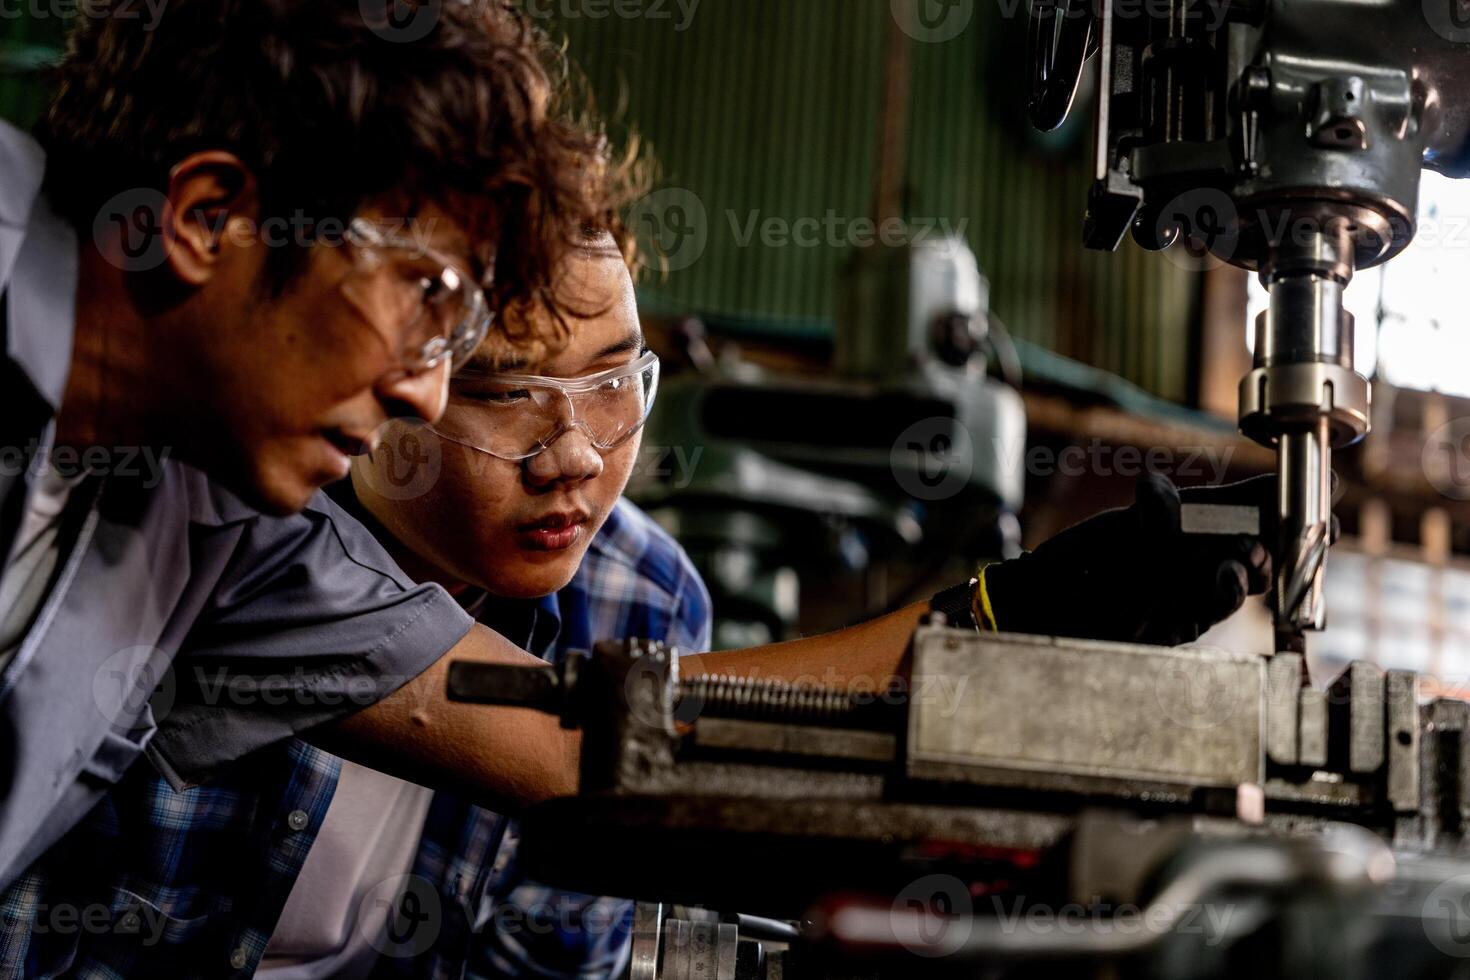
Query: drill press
{"type": "Point", "coordinates": [1288, 139]}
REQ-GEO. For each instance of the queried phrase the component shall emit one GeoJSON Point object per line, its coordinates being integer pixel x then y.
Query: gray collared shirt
{"type": "Point", "coordinates": [180, 624]}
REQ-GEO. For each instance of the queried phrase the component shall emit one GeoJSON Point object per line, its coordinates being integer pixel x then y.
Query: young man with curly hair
{"type": "Point", "coordinates": [312, 867]}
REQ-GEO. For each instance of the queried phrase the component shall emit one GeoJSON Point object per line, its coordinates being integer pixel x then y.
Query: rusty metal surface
{"type": "Point", "coordinates": [1082, 709]}
{"type": "Point", "coordinates": [1283, 712]}
{"type": "Point", "coordinates": [1313, 743]}
{"type": "Point", "coordinates": [1404, 731]}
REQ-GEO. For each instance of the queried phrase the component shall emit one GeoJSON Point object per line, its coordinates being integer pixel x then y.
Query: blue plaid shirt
{"type": "Point", "coordinates": [157, 883]}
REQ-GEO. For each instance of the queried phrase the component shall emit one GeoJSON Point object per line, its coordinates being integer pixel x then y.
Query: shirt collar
{"type": "Point", "coordinates": [38, 269]}
{"type": "Point", "coordinates": [532, 624]}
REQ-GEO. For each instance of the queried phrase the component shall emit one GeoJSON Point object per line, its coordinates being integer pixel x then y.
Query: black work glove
{"type": "Point", "coordinates": [1132, 574]}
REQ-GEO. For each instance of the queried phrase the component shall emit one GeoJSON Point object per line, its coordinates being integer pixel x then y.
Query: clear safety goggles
{"type": "Point", "coordinates": [441, 313]}
{"type": "Point", "coordinates": [515, 417]}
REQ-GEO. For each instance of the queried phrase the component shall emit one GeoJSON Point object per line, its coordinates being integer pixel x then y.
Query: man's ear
{"type": "Point", "coordinates": [213, 204]}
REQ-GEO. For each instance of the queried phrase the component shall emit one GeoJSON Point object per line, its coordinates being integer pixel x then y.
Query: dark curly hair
{"type": "Point", "coordinates": [336, 103]}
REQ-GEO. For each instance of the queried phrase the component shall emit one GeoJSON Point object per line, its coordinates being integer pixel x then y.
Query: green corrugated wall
{"type": "Point", "coordinates": [770, 106]}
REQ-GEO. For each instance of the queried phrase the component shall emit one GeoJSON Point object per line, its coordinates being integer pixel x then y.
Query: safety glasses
{"type": "Point", "coordinates": [439, 311]}
{"type": "Point", "coordinates": [515, 417]}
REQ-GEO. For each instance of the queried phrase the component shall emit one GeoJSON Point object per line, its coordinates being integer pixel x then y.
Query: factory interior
{"type": "Point", "coordinates": [942, 293]}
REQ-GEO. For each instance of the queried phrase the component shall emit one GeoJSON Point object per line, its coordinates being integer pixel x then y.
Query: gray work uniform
{"type": "Point", "coordinates": [178, 622]}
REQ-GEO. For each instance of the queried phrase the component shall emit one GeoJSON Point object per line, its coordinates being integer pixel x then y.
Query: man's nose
{"type": "Point", "coordinates": [421, 395]}
{"type": "Point", "coordinates": [570, 459]}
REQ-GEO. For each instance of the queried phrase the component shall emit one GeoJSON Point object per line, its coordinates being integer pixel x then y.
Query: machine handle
{"type": "Point", "coordinates": [1059, 38]}
{"type": "Point", "coordinates": [526, 687]}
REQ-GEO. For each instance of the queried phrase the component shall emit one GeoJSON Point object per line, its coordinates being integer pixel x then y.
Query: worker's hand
{"type": "Point", "coordinates": [1133, 574]}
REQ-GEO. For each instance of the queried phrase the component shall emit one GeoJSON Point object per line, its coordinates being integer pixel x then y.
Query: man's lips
{"type": "Point", "coordinates": [339, 447]}
{"type": "Point", "coordinates": [349, 443]}
{"type": "Point", "coordinates": [554, 532]}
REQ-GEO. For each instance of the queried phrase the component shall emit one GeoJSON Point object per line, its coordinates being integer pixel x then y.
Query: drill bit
{"type": "Point", "coordinates": [1304, 498]}
{"type": "Point", "coordinates": [1304, 510]}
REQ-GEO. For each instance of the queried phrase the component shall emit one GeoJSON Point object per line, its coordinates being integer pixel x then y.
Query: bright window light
{"type": "Point", "coordinates": [1411, 324]}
